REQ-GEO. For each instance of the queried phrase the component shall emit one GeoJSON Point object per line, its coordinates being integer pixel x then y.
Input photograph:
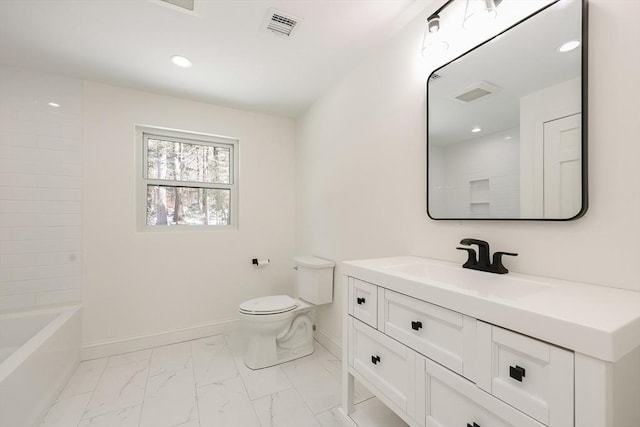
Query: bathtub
{"type": "Point", "coordinates": [39, 351]}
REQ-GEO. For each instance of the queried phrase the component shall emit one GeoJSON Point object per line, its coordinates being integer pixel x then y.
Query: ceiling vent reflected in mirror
{"type": "Point", "coordinates": [477, 91]}
{"type": "Point", "coordinates": [280, 23]}
{"type": "Point", "coordinates": [184, 4]}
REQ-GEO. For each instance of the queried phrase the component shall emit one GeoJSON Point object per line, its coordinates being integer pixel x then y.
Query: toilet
{"type": "Point", "coordinates": [279, 328]}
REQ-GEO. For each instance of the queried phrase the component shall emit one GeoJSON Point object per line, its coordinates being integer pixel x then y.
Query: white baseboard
{"type": "Point", "coordinates": [126, 345]}
{"type": "Point", "coordinates": [329, 343]}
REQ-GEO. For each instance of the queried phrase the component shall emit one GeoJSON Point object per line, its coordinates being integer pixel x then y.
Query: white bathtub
{"type": "Point", "coordinates": [39, 351]}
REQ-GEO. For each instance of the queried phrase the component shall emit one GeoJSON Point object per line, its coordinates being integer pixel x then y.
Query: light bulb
{"type": "Point", "coordinates": [478, 13]}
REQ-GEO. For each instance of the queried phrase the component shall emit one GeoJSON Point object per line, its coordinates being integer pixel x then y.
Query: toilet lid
{"type": "Point", "coordinates": [268, 305]}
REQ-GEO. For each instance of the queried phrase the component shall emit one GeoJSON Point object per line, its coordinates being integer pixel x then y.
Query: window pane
{"type": "Point", "coordinates": [186, 205]}
{"type": "Point", "coordinates": [181, 161]}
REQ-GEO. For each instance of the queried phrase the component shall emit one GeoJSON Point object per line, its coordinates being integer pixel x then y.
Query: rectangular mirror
{"type": "Point", "coordinates": [506, 123]}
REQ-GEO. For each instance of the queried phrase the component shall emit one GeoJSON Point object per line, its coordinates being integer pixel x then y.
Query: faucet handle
{"type": "Point", "coordinates": [497, 266]}
{"type": "Point", "coordinates": [472, 259]}
{"type": "Point", "coordinates": [499, 254]}
{"type": "Point", "coordinates": [470, 241]}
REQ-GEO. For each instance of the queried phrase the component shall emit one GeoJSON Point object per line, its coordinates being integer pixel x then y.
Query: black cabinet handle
{"type": "Point", "coordinates": [360, 300]}
{"type": "Point", "coordinates": [517, 373]}
{"type": "Point", "coordinates": [474, 425]}
{"type": "Point", "coordinates": [375, 359]}
{"type": "Point", "coordinates": [416, 325]}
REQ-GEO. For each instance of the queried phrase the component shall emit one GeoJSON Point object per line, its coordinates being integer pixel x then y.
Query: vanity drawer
{"type": "Point", "coordinates": [363, 301]}
{"type": "Point", "coordinates": [452, 401]}
{"type": "Point", "coordinates": [531, 375]}
{"type": "Point", "coordinates": [385, 363]}
{"type": "Point", "coordinates": [443, 335]}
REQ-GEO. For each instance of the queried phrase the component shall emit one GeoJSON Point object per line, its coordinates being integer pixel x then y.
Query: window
{"type": "Point", "coordinates": [188, 179]}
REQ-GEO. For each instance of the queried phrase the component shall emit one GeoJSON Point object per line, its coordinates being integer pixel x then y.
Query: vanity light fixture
{"type": "Point", "coordinates": [181, 61]}
{"type": "Point", "coordinates": [432, 43]}
{"type": "Point", "coordinates": [476, 129]}
{"type": "Point", "coordinates": [478, 12]}
{"type": "Point", "coordinates": [568, 46]}
{"type": "Point", "coordinates": [433, 23]}
{"type": "Point", "coordinates": [53, 104]}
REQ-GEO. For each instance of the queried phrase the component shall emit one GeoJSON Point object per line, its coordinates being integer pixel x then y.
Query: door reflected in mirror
{"type": "Point", "coordinates": [505, 137]}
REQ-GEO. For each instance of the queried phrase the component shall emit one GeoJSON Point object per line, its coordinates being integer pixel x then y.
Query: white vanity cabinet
{"type": "Point", "coordinates": [453, 401]}
{"type": "Point", "coordinates": [478, 351]}
{"type": "Point", "coordinates": [363, 302]}
{"type": "Point", "coordinates": [440, 334]}
{"type": "Point", "coordinates": [528, 374]}
{"type": "Point", "coordinates": [386, 363]}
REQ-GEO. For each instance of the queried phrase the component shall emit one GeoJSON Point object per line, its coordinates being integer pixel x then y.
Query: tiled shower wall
{"type": "Point", "coordinates": [40, 188]}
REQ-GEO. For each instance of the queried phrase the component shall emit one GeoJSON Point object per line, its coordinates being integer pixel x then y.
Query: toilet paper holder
{"type": "Point", "coordinates": [258, 262]}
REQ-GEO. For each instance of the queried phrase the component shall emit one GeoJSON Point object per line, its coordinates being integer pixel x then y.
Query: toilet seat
{"type": "Point", "coordinates": [268, 305]}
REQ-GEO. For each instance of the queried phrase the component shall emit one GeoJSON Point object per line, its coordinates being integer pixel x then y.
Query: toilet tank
{"type": "Point", "coordinates": [314, 279]}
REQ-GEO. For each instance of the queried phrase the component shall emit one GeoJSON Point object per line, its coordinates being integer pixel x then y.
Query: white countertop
{"type": "Point", "coordinates": [594, 320]}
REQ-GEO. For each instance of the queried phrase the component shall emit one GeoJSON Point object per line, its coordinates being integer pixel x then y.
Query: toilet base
{"type": "Point", "coordinates": [267, 350]}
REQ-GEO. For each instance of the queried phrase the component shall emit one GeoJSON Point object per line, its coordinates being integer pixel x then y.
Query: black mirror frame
{"type": "Point", "coordinates": [584, 118]}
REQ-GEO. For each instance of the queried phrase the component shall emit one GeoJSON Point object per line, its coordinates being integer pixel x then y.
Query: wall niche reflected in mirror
{"type": "Point", "coordinates": [506, 124]}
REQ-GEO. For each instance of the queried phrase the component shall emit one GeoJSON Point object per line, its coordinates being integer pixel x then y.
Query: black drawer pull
{"type": "Point", "coordinates": [416, 325]}
{"type": "Point", "coordinates": [474, 425]}
{"type": "Point", "coordinates": [375, 359]}
{"type": "Point", "coordinates": [516, 373]}
{"type": "Point", "coordinates": [360, 300]}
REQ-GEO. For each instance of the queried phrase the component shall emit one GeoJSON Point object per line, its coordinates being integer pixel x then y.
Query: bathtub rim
{"type": "Point", "coordinates": [65, 312]}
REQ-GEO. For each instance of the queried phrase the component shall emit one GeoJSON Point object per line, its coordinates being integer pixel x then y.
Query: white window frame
{"type": "Point", "coordinates": [142, 134]}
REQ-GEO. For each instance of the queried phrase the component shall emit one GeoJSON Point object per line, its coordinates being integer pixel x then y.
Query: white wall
{"type": "Point", "coordinates": [490, 158]}
{"type": "Point", "coordinates": [138, 283]}
{"type": "Point", "coordinates": [40, 188]}
{"type": "Point", "coordinates": [360, 170]}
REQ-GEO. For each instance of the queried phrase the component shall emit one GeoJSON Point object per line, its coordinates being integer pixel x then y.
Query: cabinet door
{"type": "Point", "coordinates": [441, 334]}
{"type": "Point", "coordinates": [385, 363]}
{"type": "Point", "coordinates": [363, 301]}
{"type": "Point", "coordinates": [452, 401]}
{"type": "Point", "coordinates": [533, 376]}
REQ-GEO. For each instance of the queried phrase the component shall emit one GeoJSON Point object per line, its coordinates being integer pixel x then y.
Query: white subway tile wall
{"type": "Point", "coordinates": [40, 188]}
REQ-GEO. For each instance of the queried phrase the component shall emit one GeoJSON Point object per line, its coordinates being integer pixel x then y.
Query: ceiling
{"type": "Point", "coordinates": [236, 61]}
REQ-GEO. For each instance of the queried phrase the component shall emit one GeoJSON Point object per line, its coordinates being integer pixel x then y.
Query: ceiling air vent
{"type": "Point", "coordinates": [477, 91]}
{"type": "Point", "coordinates": [280, 23]}
{"type": "Point", "coordinates": [185, 4]}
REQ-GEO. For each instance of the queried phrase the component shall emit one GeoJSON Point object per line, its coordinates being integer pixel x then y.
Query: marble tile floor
{"type": "Point", "coordinates": [204, 383]}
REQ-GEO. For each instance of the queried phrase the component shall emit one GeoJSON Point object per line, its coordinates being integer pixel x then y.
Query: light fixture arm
{"type": "Point", "coordinates": [435, 14]}
{"type": "Point", "coordinates": [431, 39]}
{"type": "Point", "coordinates": [444, 6]}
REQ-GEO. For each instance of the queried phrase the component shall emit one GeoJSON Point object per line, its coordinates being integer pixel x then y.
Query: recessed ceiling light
{"type": "Point", "coordinates": [476, 129]}
{"type": "Point", "coordinates": [568, 46]}
{"type": "Point", "coordinates": [181, 61]}
{"type": "Point", "coordinates": [54, 104]}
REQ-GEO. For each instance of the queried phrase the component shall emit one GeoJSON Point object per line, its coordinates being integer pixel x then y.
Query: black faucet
{"type": "Point", "coordinates": [481, 262]}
